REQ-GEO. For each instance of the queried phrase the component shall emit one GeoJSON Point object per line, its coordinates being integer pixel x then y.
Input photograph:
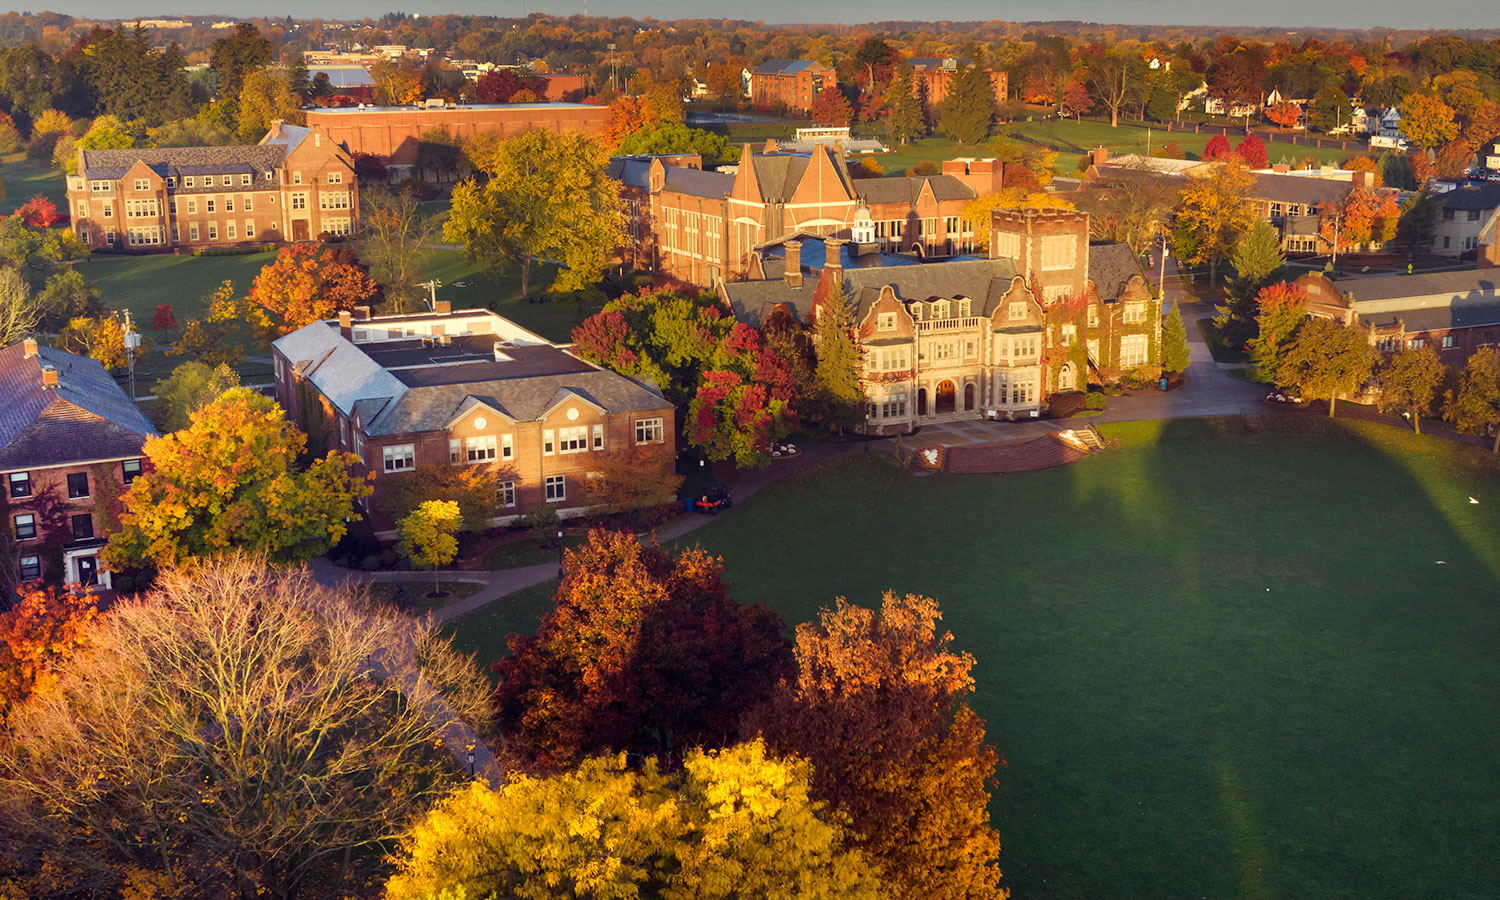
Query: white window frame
{"type": "Point", "coordinates": [556, 488]}
{"type": "Point", "coordinates": [573, 439]}
{"type": "Point", "coordinates": [480, 449]}
{"type": "Point", "coordinates": [649, 431]}
{"type": "Point", "coordinates": [399, 457]}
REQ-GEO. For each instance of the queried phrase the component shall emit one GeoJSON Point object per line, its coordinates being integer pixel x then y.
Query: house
{"type": "Point", "coordinates": [932, 78]}
{"type": "Point", "coordinates": [1492, 158]}
{"type": "Point", "coordinates": [1455, 313]}
{"type": "Point", "coordinates": [1463, 211]}
{"type": "Point", "coordinates": [1387, 135]}
{"type": "Point", "coordinates": [465, 387]}
{"type": "Point", "coordinates": [295, 185]}
{"type": "Point", "coordinates": [969, 338]}
{"type": "Point", "coordinates": [70, 443]}
{"type": "Point", "coordinates": [791, 83]}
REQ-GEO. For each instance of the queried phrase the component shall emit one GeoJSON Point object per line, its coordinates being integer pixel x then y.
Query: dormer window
{"type": "Point", "coordinates": [187, 181]}
{"type": "Point", "coordinates": [963, 308]}
{"type": "Point", "coordinates": [940, 309]}
{"type": "Point", "coordinates": [916, 311]}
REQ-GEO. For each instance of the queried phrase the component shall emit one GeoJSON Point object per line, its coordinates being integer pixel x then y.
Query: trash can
{"type": "Point", "coordinates": [1163, 384]}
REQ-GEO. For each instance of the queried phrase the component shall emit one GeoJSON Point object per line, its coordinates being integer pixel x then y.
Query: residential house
{"type": "Point", "coordinates": [1387, 134]}
{"type": "Point", "coordinates": [1463, 211]}
{"type": "Point", "coordinates": [1492, 158]}
{"type": "Point", "coordinates": [790, 83]}
{"type": "Point", "coordinates": [70, 443]}
{"type": "Point", "coordinates": [933, 77]}
{"type": "Point", "coordinates": [465, 387]}
{"type": "Point", "coordinates": [295, 185]}
{"type": "Point", "coordinates": [969, 338]}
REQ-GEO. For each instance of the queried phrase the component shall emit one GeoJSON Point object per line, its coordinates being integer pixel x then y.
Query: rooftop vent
{"type": "Point", "coordinates": [500, 348]}
{"type": "Point", "coordinates": [445, 340]}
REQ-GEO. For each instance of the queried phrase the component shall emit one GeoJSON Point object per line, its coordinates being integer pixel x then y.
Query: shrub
{"type": "Point", "coordinates": [1065, 403]}
{"type": "Point", "coordinates": [543, 523]}
{"type": "Point", "coordinates": [234, 251]}
{"type": "Point", "coordinates": [1094, 401]}
{"type": "Point", "coordinates": [925, 167]}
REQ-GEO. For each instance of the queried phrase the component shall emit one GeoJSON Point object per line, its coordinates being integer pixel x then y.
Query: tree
{"type": "Point", "coordinates": [230, 481]}
{"type": "Point", "coordinates": [502, 85]}
{"type": "Point", "coordinates": [1114, 78]}
{"type": "Point", "coordinates": [101, 338]}
{"type": "Point", "coordinates": [236, 56]}
{"type": "Point", "coordinates": [1175, 352]}
{"type": "Point", "coordinates": [877, 707]}
{"type": "Point", "coordinates": [644, 652]}
{"type": "Point", "coordinates": [297, 77]}
{"type": "Point", "coordinates": [163, 319]}
{"type": "Point", "coordinates": [19, 310]}
{"type": "Point", "coordinates": [831, 108]}
{"type": "Point", "coordinates": [841, 395]}
{"type": "Point", "coordinates": [65, 297]}
{"type": "Point", "coordinates": [1132, 209]}
{"type": "Point", "coordinates": [1454, 159]}
{"type": "Point", "coordinates": [904, 120]}
{"type": "Point", "coordinates": [191, 386]}
{"type": "Point", "coordinates": [1417, 224]}
{"type": "Point", "coordinates": [1474, 406]}
{"type": "Point", "coordinates": [1279, 311]}
{"type": "Point", "coordinates": [264, 97]}
{"type": "Point", "coordinates": [44, 629]}
{"type": "Point", "coordinates": [38, 212]}
{"type": "Point", "coordinates": [309, 282]}
{"type": "Point", "coordinates": [1257, 260]}
{"type": "Point", "coordinates": [1427, 121]}
{"type": "Point", "coordinates": [1217, 149]}
{"type": "Point", "coordinates": [107, 133]}
{"type": "Point", "coordinates": [220, 334]}
{"type": "Point", "coordinates": [675, 137]}
{"type": "Point", "coordinates": [734, 416]}
{"type": "Point", "coordinates": [631, 479]}
{"type": "Point", "coordinates": [1284, 114]}
{"type": "Point", "coordinates": [968, 111]}
{"type": "Point", "coordinates": [427, 535]}
{"type": "Point", "coordinates": [1363, 216]}
{"type": "Point", "coordinates": [732, 823]}
{"type": "Point", "coordinates": [391, 242]}
{"type": "Point", "coordinates": [1410, 380]}
{"type": "Point", "coordinates": [1251, 153]}
{"type": "Point", "coordinates": [1075, 99]}
{"type": "Point", "coordinates": [1326, 359]}
{"type": "Point", "coordinates": [1329, 109]}
{"type": "Point", "coordinates": [241, 732]}
{"type": "Point", "coordinates": [547, 196]}
{"type": "Point", "coordinates": [471, 488]}
{"type": "Point", "coordinates": [1212, 216]}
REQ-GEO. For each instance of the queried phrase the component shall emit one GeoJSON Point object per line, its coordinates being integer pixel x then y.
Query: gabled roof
{"type": "Point", "coordinates": [289, 136]}
{"type": "Point", "coordinates": [1111, 266]}
{"type": "Point", "coordinates": [338, 368]}
{"type": "Point", "coordinates": [1471, 196]}
{"type": "Point", "coordinates": [906, 189]}
{"type": "Point", "coordinates": [1299, 189]}
{"type": "Point", "coordinates": [790, 67]}
{"type": "Point", "coordinates": [85, 417]}
{"type": "Point", "coordinates": [235, 159]}
{"type": "Point", "coordinates": [698, 183]}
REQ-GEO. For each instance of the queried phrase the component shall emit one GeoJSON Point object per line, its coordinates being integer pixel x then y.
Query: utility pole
{"type": "Point", "coordinates": [432, 286]}
{"type": "Point", "coordinates": [1338, 225]}
{"type": "Point", "coordinates": [132, 343]}
{"type": "Point", "coordinates": [1161, 313]}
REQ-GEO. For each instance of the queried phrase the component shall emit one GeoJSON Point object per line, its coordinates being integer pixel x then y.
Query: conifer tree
{"type": "Point", "coordinates": [837, 373]}
{"type": "Point", "coordinates": [1174, 347]}
{"type": "Point", "coordinates": [1257, 259]}
{"type": "Point", "coordinates": [904, 120]}
{"type": "Point", "coordinates": [969, 109]}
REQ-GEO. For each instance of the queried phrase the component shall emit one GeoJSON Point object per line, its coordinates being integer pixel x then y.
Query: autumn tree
{"type": "Point", "coordinates": [1258, 259]}
{"type": "Point", "coordinates": [38, 212]}
{"type": "Point", "coordinates": [1131, 208]}
{"type": "Point", "coordinates": [967, 113]}
{"type": "Point", "coordinates": [633, 478]}
{"type": "Point", "coordinates": [266, 96]}
{"type": "Point", "coordinates": [1284, 114]}
{"type": "Point", "coordinates": [1329, 109]}
{"type": "Point", "coordinates": [1474, 405]}
{"type": "Point", "coordinates": [1363, 216]}
{"type": "Point", "coordinates": [1427, 121]}
{"type": "Point", "coordinates": [392, 240]}
{"type": "Point", "coordinates": [427, 535]}
{"type": "Point", "coordinates": [1212, 216]}
{"type": "Point", "coordinates": [1325, 359]}
{"type": "Point", "coordinates": [1114, 77]}
{"type": "Point", "coordinates": [309, 282]}
{"type": "Point", "coordinates": [101, 338]}
{"type": "Point", "coordinates": [1279, 311]}
{"type": "Point", "coordinates": [877, 706]}
{"type": "Point", "coordinates": [1251, 153]}
{"type": "Point", "coordinates": [1410, 381]}
{"type": "Point", "coordinates": [547, 195]}
{"type": "Point", "coordinates": [240, 731]}
{"type": "Point", "coordinates": [1217, 149]}
{"type": "Point", "coordinates": [19, 310]}
{"type": "Point", "coordinates": [43, 629]}
{"type": "Point", "coordinates": [191, 386]}
{"type": "Point", "coordinates": [471, 488]}
{"type": "Point", "coordinates": [904, 120]}
{"type": "Point", "coordinates": [163, 319]}
{"type": "Point", "coordinates": [733, 823]}
{"type": "Point", "coordinates": [230, 480]}
{"type": "Point", "coordinates": [831, 108]}
{"type": "Point", "coordinates": [839, 367]}
{"type": "Point", "coordinates": [644, 652]}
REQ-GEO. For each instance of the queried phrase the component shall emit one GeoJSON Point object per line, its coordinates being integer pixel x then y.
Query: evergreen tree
{"type": "Point", "coordinates": [1257, 260]}
{"type": "Point", "coordinates": [297, 78]}
{"type": "Point", "coordinates": [1174, 346]}
{"type": "Point", "coordinates": [837, 372]}
{"type": "Point", "coordinates": [904, 120]}
{"type": "Point", "coordinates": [969, 109]}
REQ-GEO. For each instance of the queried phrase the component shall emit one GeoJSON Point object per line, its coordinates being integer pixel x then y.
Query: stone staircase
{"type": "Point", "coordinates": [1012, 456]}
{"type": "Point", "coordinates": [1091, 438]}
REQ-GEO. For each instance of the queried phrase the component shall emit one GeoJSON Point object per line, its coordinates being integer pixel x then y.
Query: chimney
{"type": "Point", "coordinates": [833, 254]}
{"type": "Point", "coordinates": [793, 262]}
{"type": "Point", "coordinates": [442, 307]}
{"type": "Point", "coordinates": [1362, 181]}
{"type": "Point", "coordinates": [275, 129]}
{"type": "Point", "coordinates": [346, 324]}
{"type": "Point", "coordinates": [49, 376]}
{"type": "Point", "coordinates": [1100, 156]}
{"type": "Point", "coordinates": [361, 313]}
{"type": "Point", "coordinates": [28, 348]}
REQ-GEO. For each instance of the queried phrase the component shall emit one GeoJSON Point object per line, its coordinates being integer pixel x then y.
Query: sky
{"type": "Point", "coordinates": [1287, 13]}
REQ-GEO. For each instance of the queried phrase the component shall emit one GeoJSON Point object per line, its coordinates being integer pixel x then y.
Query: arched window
{"type": "Point", "coordinates": [1065, 379]}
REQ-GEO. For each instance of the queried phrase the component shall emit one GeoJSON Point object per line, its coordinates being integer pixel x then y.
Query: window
{"type": "Point", "coordinates": [338, 226]}
{"type": "Point", "coordinates": [893, 406]}
{"type": "Point", "coordinates": [1093, 347]}
{"type": "Point", "coordinates": [249, 203]}
{"type": "Point", "coordinates": [548, 439]}
{"type": "Point", "coordinates": [455, 451]}
{"type": "Point", "coordinates": [1132, 351]}
{"type": "Point", "coordinates": [400, 457]}
{"type": "Point", "coordinates": [333, 200]}
{"type": "Point", "coordinates": [109, 236]}
{"type": "Point", "coordinates": [1024, 347]}
{"type": "Point", "coordinates": [479, 449]}
{"type": "Point", "coordinates": [31, 568]}
{"type": "Point", "coordinates": [1093, 315]}
{"type": "Point", "coordinates": [557, 488]}
{"type": "Point", "coordinates": [297, 179]}
{"type": "Point", "coordinates": [1449, 341]}
{"type": "Point", "coordinates": [648, 431]}
{"type": "Point", "coordinates": [213, 231]}
{"type": "Point", "coordinates": [83, 526]}
{"type": "Point", "coordinates": [1008, 246]}
{"type": "Point", "coordinates": [573, 439]}
{"type": "Point", "coordinates": [507, 448]}
{"type": "Point", "coordinates": [335, 177]}
{"type": "Point", "coordinates": [299, 201]}
{"type": "Point", "coordinates": [964, 306]}
{"type": "Point", "coordinates": [83, 209]}
{"type": "Point", "coordinates": [144, 237]}
{"type": "Point", "coordinates": [230, 233]}
{"type": "Point", "coordinates": [249, 228]}
{"type": "Point", "coordinates": [1448, 215]}
{"type": "Point", "coordinates": [226, 180]}
{"type": "Point", "coordinates": [505, 494]}
{"type": "Point", "coordinates": [229, 204]}
{"type": "Point", "coordinates": [25, 526]}
{"type": "Point", "coordinates": [130, 470]}
{"type": "Point", "coordinates": [188, 181]}
{"type": "Point", "coordinates": [101, 187]}
{"type": "Point", "coordinates": [142, 184]}
{"type": "Point", "coordinates": [1418, 342]}
{"type": "Point", "coordinates": [1056, 293]}
{"type": "Point", "coordinates": [1473, 215]}
{"type": "Point", "coordinates": [886, 322]}
{"type": "Point", "coordinates": [951, 224]}
{"type": "Point", "coordinates": [192, 207]}
{"type": "Point", "coordinates": [945, 350]}
{"type": "Point", "coordinates": [109, 211]}
{"type": "Point", "coordinates": [598, 437]}
{"type": "Point", "coordinates": [1294, 209]}
{"type": "Point", "coordinates": [1059, 251]}
{"type": "Point", "coordinates": [1275, 210]}
{"type": "Point", "coordinates": [78, 484]}
{"type": "Point", "coordinates": [176, 236]}
{"type": "Point", "coordinates": [1069, 334]}
{"type": "Point", "coordinates": [20, 485]}
{"type": "Point", "coordinates": [193, 231]}
{"type": "Point", "coordinates": [1135, 313]}
{"type": "Point", "coordinates": [1388, 344]}
{"type": "Point", "coordinates": [211, 206]}
{"type": "Point", "coordinates": [246, 179]}
{"type": "Point", "coordinates": [940, 309]}
{"type": "Point", "coordinates": [1017, 311]}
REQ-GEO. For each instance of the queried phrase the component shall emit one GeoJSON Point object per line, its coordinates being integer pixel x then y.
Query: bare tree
{"type": "Point", "coordinates": [19, 309]}
{"type": "Point", "coordinates": [242, 730]}
{"type": "Point", "coordinates": [1114, 78]}
{"type": "Point", "coordinates": [392, 237]}
{"type": "Point", "coordinates": [1130, 204]}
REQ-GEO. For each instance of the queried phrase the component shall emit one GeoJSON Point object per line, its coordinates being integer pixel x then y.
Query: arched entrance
{"type": "Point", "coordinates": [946, 397]}
{"type": "Point", "coordinates": [1065, 379]}
{"type": "Point", "coordinates": [921, 401]}
{"type": "Point", "coordinates": [968, 396]}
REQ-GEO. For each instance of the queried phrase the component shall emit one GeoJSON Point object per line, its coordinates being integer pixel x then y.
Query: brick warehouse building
{"type": "Point", "coordinates": [70, 443]}
{"type": "Point", "coordinates": [971, 338]}
{"type": "Point", "coordinates": [393, 133]}
{"type": "Point", "coordinates": [295, 185]}
{"type": "Point", "coordinates": [465, 388]}
{"type": "Point", "coordinates": [793, 83]}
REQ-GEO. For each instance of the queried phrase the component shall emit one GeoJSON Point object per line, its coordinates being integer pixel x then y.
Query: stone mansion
{"type": "Point", "coordinates": [970, 338]}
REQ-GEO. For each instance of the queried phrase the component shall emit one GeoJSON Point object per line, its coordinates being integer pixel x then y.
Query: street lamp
{"type": "Point", "coordinates": [471, 762]}
{"type": "Point", "coordinates": [559, 553]}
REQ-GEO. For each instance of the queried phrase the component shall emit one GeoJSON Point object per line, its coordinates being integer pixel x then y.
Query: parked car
{"type": "Point", "coordinates": [710, 499]}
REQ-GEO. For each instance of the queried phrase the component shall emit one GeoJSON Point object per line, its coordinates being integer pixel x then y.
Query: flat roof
{"type": "Point", "coordinates": [468, 358]}
{"type": "Point", "coordinates": [355, 110]}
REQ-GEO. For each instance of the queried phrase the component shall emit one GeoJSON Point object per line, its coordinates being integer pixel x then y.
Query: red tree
{"type": "Point", "coordinates": [164, 319]}
{"type": "Point", "coordinates": [1252, 152]}
{"type": "Point", "coordinates": [501, 86]}
{"type": "Point", "coordinates": [1217, 148]}
{"type": "Point", "coordinates": [44, 628]}
{"type": "Point", "coordinates": [1287, 115]}
{"type": "Point", "coordinates": [307, 282]}
{"type": "Point", "coordinates": [644, 652]}
{"type": "Point", "coordinates": [39, 212]}
{"type": "Point", "coordinates": [830, 108]}
{"type": "Point", "coordinates": [1363, 216]}
{"type": "Point", "coordinates": [1075, 99]}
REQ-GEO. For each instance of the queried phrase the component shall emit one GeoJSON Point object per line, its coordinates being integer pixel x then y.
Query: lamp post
{"type": "Point", "coordinates": [471, 762]}
{"type": "Point", "coordinates": [1161, 314]}
{"type": "Point", "coordinates": [559, 553]}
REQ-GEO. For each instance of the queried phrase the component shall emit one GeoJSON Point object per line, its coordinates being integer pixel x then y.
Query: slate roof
{"type": "Point", "coordinates": [1463, 283]}
{"type": "Point", "coordinates": [906, 189]}
{"type": "Point", "coordinates": [1439, 318]}
{"type": "Point", "coordinates": [236, 159]}
{"type": "Point", "coordinates": [86, 417]}
{"type": "Point", "coordinates": [789, 67]}
{"type": "Point", "coordinates": [525, 399]}
{"type": "Point", "coordinates": [1111, 266]}
{"type": "Point", "coordinates": [1471, 196]}
{"type": "Point", "coordinates": [1301, 189]}
{"type": "Point", "coordinates": [631, 171]}
{"type": "Point", "coordinates": [698, 183]}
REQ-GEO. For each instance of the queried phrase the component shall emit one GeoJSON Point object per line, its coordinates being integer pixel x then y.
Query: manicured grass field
{"type": "Point", "coordinates": [25, 178]}
{"type": "Point", "coordinates": [1217, 664]}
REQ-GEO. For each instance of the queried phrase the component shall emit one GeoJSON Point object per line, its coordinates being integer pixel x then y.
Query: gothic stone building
{"type": "Point", "coordinates": [975, 338]}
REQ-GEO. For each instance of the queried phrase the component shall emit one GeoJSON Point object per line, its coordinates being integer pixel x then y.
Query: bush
{"type": "Point", "coordinates": [421, 190]}
{"type": "Point", "coordinates": [925, 167]}
{"type": "Point", "coordinates": [543, 523]}
{"type": "Point", "coordinates": [1094, 401]}
{"type": "Point", "coordinates": [1065, 403]}
{"type": "Point", "coordinates": [234, 251]}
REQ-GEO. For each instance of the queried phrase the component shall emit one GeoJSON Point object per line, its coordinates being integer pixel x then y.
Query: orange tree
{"type": "Point", "coordinates": [308, 282]}
{"type": "Point", "coordinates": [1427, 121]}
{"type": "Point", "coordinates": [877, 706]}
{"type": "Point", "coordinates": [1410, 381]}
{"type": "Point", "coordinates": [45, 627]}
{"type": "Point", "coordinates": [644, 652]}
{"type": "Point", "coordinates": [1280, 308]}
{"type": "Point", "coordinates": [1363, 216]}
{"type": "Point", "coordinates": [230, 481]}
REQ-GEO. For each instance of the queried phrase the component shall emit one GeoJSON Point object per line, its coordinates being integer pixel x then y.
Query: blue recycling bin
{"type": "Point", "coordinates": [1163, 384]}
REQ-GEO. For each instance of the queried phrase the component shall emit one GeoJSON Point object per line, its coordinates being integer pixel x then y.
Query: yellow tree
{"type": "Point", "coordinates": [101, 338]}
{"type": "Point", "coordinates": [266, 95]}
{"type": "Point", "coordinates": [230, 481]}
{"type": "Point", "coordinates": [1212, 215]}
{"type": "Point", "coordinates": [1410, 380]}
{"type": "Point", "coordinates": [1427, 121]}
{"type": "Point", "coordinates": [427, 535]}
{"type": "Point", "coordinates": [980, 211]}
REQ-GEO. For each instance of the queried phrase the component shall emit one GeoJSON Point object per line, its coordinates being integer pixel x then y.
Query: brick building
{"type": "Point", "coordinates": [465, 388]}
{"type": "Point", "coordinates": [1454, 313]}
{"type": "Point", "coordinates": [394, 133]}
{"type": "Point", "coordinates": [70, 443]}
{"type": "Point", "coordinates": [975, 338]}
{"type": "Point", "coordinates": [792, 83]}
{"type": "Point", "coordinates": [924, 213]}
{"type": "Point", "coordinates": [932, 77]}
{"type": "Point", "coordinates": [295, 185]}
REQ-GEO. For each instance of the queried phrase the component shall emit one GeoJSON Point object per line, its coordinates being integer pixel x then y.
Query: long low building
{"type": "Point", "coordinates": [394, 133]}
{"type": "Point", "coordinates": [1455, 313]}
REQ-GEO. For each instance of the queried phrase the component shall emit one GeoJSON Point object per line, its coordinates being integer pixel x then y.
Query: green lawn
{"type": "Point", "coordinates": [1218, 664]}
{"type": "Point", "coordinates": [413, 595]}
{"type": "Point", "coordinates": [528, 552]}
{"type": "Point", "coordinates": [25, 178]}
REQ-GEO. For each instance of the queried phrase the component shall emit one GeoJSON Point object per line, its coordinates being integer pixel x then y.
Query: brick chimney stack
{"type": "Point", "coordinates": [442, 307]}
{"type": "Point", "coordinates": [49, 376]}
{"type": "Point", "coordinates": [361, 313]}
{"type": "Point", "coordinates": [793, 262]}
{"type": "Point", "coordinates": [275, 129]}
{"type": "Point", "coordinates": [346, 324]}
{"type": "Point", "coordinates": [833, 254]}
{"type": "Point", "coordinates": [28, 348]}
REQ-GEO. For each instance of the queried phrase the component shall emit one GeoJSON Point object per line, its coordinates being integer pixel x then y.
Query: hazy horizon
{"type": "Point", "coordinates": [1289, 14]}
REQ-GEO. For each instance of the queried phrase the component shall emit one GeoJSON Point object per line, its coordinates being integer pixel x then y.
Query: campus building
{"type": "Point", "coordinates": [465, 387]}
{"type": "Point", "coordinates": [70, 443]}
{"type": "Point", "coordinates": [790, 83]}
{"type": "Point", "coordinates": [933, 77]}
{"type": "Point", "coordinates": [295, 185]}
{"type": "Point", "coordinates": [1454, 313]}
{"type": "Point", "coordinates": [969, 338]}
